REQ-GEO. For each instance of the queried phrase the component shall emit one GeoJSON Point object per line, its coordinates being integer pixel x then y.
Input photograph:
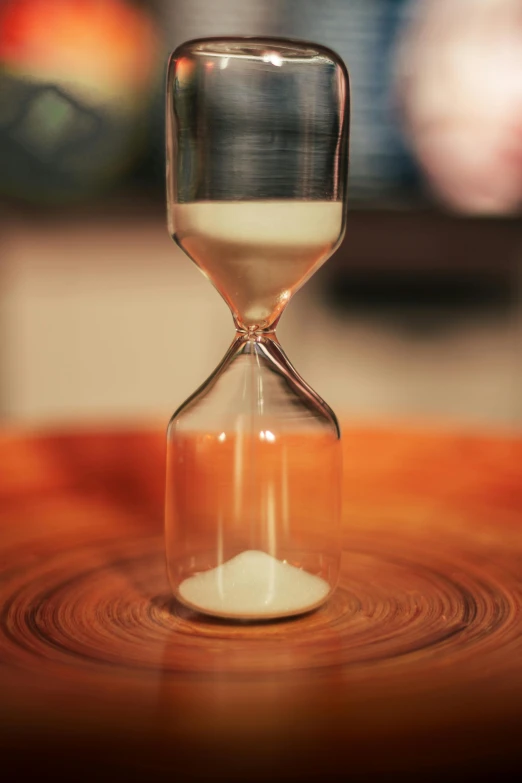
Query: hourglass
{"type": "Point", "coordinates": [257, 157]}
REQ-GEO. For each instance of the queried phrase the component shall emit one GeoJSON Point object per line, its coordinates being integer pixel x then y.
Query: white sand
{"type": "Point", "coordinates": [254, 584]}
{"type": "Point", "coordinates": [277, 223]}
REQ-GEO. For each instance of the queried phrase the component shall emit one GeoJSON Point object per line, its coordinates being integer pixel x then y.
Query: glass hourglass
{"type": "Point", "coordinates": [257, 158]}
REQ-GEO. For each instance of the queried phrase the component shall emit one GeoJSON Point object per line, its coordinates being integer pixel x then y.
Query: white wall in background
{"type": "Point", "coordinates": [110, 321]}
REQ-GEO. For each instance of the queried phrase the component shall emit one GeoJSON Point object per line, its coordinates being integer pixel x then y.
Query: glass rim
{"type": "Point", "coordinates": [252, 46]}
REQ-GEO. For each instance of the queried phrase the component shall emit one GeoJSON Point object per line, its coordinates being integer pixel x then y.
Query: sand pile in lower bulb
{"type": "Point", "coordinates": [254, 584]}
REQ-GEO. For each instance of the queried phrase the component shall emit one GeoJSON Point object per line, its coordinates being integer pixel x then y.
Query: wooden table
{"type": "Point", "coordinates": [413, 669]}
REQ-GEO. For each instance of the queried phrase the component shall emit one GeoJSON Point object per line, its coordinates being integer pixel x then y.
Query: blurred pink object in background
{"type": "Point", "coordinates": [459, 79]}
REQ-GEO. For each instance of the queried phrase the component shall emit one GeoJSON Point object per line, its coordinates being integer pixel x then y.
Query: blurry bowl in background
{"type": "Point", "coordinates": [75, 84]}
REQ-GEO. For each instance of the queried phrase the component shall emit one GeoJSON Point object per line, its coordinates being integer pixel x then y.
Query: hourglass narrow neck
{"type": "Point", "coordinates": [255, 331]}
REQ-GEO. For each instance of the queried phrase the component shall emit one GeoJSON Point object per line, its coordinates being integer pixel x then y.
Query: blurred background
{"type": "Point", "coordinates": [418, 316]}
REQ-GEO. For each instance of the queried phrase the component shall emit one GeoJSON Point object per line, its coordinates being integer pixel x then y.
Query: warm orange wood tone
{"type": "Point", "coordinates": [413, 669]}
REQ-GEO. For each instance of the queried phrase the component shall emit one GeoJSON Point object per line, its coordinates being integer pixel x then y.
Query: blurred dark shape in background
{"type": "Point", "coordinates": [434, 241]}
{"type": "Point", "coordinates": [75, 94]}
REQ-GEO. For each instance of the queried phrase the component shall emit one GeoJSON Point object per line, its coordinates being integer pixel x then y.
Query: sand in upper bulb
{"type": "Point", "coordinates": [254, 585]}
{"type": "Point", "coordinates": [258, 252]}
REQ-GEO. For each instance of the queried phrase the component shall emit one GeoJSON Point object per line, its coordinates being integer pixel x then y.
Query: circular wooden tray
{"type": "Point", "coordinates": [412, 670]}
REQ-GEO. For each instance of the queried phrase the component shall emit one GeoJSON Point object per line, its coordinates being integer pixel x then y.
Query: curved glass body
{"type": "Point", "coordinates": [257, 151]}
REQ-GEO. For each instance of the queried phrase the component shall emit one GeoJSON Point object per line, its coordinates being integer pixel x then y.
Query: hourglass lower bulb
{"type": "Point", "coordinates": [257, 146]}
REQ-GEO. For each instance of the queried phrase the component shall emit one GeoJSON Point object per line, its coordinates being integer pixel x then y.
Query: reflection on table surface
{"type": "Point", "coordinates": [417, 655]}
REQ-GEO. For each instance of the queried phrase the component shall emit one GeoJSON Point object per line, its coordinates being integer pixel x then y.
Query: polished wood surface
{"type": "Point", "coordinates": [413, 669]}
